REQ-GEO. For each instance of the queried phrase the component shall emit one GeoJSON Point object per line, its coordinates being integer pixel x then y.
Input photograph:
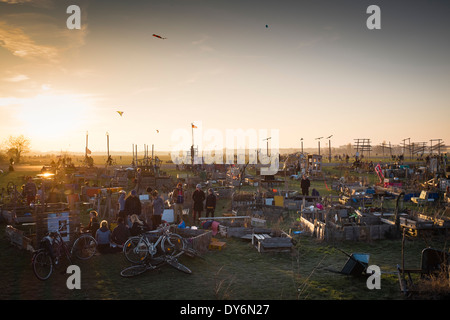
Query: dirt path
{"type": "Point", "coordinates": [26, 167]}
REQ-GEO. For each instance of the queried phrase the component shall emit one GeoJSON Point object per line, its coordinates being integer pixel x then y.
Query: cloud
{"type": "Point", "coordinates": [21, 45]}
{"type": "Point", "coordinates": [35, 3]}
{"type": "Point", "coordinates": [200, 43]}
{"type": "Point", "coordinates": [17, 78]}
{"type": "Point", "coordinates": [27, 36]}
{"type": "Point", "coordinates": [144, 90]}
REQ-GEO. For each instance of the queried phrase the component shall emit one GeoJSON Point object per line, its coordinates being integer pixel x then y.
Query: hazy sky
{"type": "Point", "coordinates": [315, 70]}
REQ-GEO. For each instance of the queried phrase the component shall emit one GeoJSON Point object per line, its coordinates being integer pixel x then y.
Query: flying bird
{"type": "Point", "coordinates": [157, 36]}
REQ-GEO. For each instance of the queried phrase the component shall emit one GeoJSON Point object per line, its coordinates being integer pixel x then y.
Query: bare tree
{"type": "Point", "coordinates": [16, 146]}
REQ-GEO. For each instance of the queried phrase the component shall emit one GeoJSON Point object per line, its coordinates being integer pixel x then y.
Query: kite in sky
{"type": "Point", "coordinates": [157, 131]}
{"type": "Point", "coordinates": [155, 35]}
{"type": "Point", "coordinates": [120, 112]}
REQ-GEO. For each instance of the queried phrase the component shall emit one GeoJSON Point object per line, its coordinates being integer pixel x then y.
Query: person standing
{"type": "Point", "coordinates": [30, 191]}
{"type": "Point", "coordinates": [178, 202]}
{"type": "Point", "coordinates": [132, 206]}
{"type": "Point", "coordinates": [138, 180]}
{"type": "Point", "coordinates": [158, 209]}
{"type": "Point", "coordinates": [210, 205]}
{"type": "Point", "coordinates": [198, 196]}
{"type": "Point", "coordinates": [304, 185]}
{"type": "Point", "coordinates": [121, 202]}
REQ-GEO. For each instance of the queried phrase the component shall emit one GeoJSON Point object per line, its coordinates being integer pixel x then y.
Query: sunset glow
{"type": "Point", "coordinates": [305, 69]}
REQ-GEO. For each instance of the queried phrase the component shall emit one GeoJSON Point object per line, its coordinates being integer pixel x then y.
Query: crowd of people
{"type": "Point", "coordinates": [131, 220]}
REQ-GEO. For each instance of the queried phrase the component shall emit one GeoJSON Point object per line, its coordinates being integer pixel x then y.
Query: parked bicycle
{"type": "Point", "coordinates": [53, 248]}
{"type": "Point", "coordinates": [153, 264]}
{"type": "Point", "coordinates": [152, 244]}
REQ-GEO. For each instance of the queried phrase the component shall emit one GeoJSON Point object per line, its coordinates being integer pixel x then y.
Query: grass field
{"type": "Point", "coordinates": [238, 272]}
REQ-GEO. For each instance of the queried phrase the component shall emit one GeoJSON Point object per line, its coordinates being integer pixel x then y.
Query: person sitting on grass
{"type": "Point", "coordinates": [137, 226]}
{"type": "Point", "coordinates": [120, 234]}
{"type": "Point", "coordinates": [93, 223]}
{"type": "Point", "coordinates": [103, 237]}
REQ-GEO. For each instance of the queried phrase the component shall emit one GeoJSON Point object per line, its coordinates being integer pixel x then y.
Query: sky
{"type": "Point", "coordinates": [302, 69]}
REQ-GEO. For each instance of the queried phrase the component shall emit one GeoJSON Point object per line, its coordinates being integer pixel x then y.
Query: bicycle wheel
{"type": "Point", "coordinates": [134, 270]}
{"type": "Point", "coordinates": [173, 245]}
{"type": "Point", "coordinates": [42, 265]}
{"type": "Point", "coordinates": [135, 250]}
{"type": "Point", "coordinates": [181, 267]}
{"type": "Point", "coordinates": [190, 252]}
{"type": "Point", "coordinates": [84, 247]}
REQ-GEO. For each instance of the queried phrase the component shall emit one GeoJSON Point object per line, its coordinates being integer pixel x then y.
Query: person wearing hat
{"type": "Point", "coordinates": [198, 196]}
{"type": "Point", "coordinates": [132, 205]}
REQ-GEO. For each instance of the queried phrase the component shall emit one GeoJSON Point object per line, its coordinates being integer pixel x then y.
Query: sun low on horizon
{"type": "Point", "coordinates": [136, 72]}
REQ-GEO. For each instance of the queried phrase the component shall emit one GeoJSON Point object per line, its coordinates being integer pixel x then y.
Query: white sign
{"type": "Point", "coordinates": [59, 221]}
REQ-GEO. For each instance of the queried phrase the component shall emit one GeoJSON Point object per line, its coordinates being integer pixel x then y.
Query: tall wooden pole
{"type": "Point", "coordinates": [107, 144]}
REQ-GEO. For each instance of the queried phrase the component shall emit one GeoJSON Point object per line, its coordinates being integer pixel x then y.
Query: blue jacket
{"type": "Point", "coordinates": [103, 236]}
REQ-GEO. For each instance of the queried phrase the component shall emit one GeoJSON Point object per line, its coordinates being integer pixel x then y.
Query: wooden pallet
{"type": "Point", "coordinates": [216, 245]}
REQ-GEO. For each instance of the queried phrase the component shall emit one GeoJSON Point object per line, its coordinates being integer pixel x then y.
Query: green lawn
{"type": "Point", "coordinates": [238, 272]}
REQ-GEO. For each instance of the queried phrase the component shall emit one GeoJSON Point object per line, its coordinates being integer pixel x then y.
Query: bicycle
{"type": "Point", "coordinates": [138, 269]}
{"type": "Point", "coordinates": [53, 247]}
{"type": "Point", "coordinates": [138, 248]}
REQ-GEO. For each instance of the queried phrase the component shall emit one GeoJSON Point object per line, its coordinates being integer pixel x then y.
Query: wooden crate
{"type": "Point", "coordinates": [198, 239]}
{"type": "Point", "coordinates": [267, 243]}
{"type": "Point", "coordinates": [17, 215]}
{"type": "Point", "coordinates": [17, 238]}
{"type": "Point", "coordinates": [216, 245]}
{"type": "Point", "coordinates": [237, 232]}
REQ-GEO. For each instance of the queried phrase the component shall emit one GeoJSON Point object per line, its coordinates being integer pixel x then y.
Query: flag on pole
{"type": "Point", "coordinates": [88, 151]}
{"type": "Point", "coordinates": [194, 126]}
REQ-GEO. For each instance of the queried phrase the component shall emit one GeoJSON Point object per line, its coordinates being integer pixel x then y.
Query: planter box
{"type": "Point", "coordinates": [267, 243]}
{"type": "Point", "coordinates": [198, 239]}
{"type": "Point", "coordinates": [17, 238]}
